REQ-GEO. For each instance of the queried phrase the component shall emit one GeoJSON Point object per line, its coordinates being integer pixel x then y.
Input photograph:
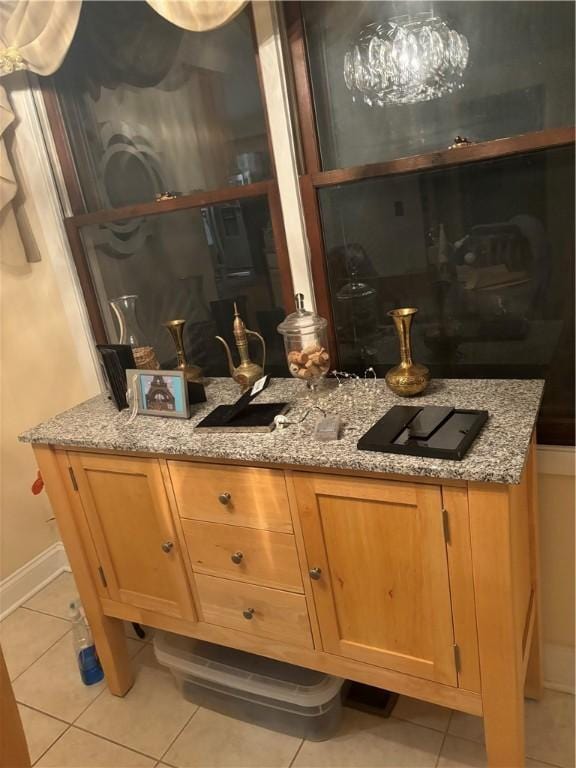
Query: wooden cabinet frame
{"type": "Point", "coordinates": [491, 550]}
{"type": "Point", "coordinates": [313, 179]}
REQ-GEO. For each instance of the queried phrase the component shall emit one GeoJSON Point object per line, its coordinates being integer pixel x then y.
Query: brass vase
{"type": "Point", "coordinates": [406, 379]}
{"type": "Point", "coordinates": [176, 330]}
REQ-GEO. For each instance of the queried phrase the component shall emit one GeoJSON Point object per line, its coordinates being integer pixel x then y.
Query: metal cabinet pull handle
{"type": "Point", "coordinates": [248, 614]}
{"type": "Point", "coordinates": [225, 498]}
{"type": "Point", "coordinates": [167, 546]}
{"type": "Point", "coordinates": [237, 557]}
{"type": "Point", "coordinates": [315, 573]}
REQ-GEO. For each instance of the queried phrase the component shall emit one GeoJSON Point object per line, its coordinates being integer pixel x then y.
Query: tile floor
{"type": "Point", "coordinates": [68, 724]}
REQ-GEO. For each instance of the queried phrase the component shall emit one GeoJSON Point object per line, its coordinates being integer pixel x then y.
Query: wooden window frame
{"type": "Point", "coordinates": [312, 178]}
{"type": "Point", "coordinates": [82, 217]}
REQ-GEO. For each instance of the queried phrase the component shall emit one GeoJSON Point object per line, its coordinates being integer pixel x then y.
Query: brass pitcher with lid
{"type": "Point", "coordinates": [247, 372]}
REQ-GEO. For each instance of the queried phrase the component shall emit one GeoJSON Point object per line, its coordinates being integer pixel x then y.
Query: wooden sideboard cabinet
{"type": "Point", "coordinates": [428, 588]}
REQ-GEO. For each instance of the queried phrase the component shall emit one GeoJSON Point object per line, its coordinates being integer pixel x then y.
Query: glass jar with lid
{"type": "Point", "coordinates": [306, 344]}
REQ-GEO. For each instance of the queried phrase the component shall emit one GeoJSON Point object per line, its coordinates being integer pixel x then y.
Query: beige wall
{"type": "Point", "coordinates": [38, 378]}
{"type": "Point", "coordinates": [557, 504]}
{"type": "Point", "coordinates": [557, 539]}
{"type": "Point", "coordinates": [42, 367]}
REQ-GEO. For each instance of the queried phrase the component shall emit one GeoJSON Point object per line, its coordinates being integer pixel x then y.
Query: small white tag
{"type": "Point", "coordinates": [259, 385]}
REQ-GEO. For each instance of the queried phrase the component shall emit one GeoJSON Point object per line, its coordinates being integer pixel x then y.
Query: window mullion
{"type": "Point", "coordinates": [267, 28]}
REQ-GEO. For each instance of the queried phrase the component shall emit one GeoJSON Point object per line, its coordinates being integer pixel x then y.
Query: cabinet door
{"type": "Point", "coordinates": [382, 593]}
{"type": "Point", "coordinates": [128, 515]}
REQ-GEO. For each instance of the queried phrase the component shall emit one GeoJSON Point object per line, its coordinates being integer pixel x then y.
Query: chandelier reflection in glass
{"type": "Point", "coordinates": [405, 60]}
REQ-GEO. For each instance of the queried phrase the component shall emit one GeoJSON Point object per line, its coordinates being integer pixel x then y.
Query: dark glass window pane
{"type": "Point", "coordinates": [192, 264]}
{"type": "Point", "coordinates": [519, 78]}
{"type": "Point", "coordinates": [150, 107]}
{"type": "Point", "coordinates": [485, 251]}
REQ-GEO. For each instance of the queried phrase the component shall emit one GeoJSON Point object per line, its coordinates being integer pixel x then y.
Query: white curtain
{"type": "Point", "coordinates": [198, 15]}
{"type": "Point", "coordinates": [35, 35]}
{"type": "Point", "coordinates": [11, 248]}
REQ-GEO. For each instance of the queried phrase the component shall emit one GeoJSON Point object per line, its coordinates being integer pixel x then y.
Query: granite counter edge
{"type": "Point", "coordinates": [512, 476]}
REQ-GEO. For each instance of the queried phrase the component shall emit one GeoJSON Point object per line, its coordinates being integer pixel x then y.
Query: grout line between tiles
{"type": "Point", "coordinates": [116, 743]}
{"type": "Point", "coordinates": [120, 744]}
{"type": "Point", "coordinates": [64, 732]}
{"type": "Point", "coordinates": [39, 657]}
{"type": "Point", "coordinates": [46, 613]}
{"type": "Point", "coordinates": [161, 759]}
{"type": "Point", "coordinates": [74, 723]}
{"type": "Point", "coordinates": [444, 737]}
{"type": "Point", "coordinates": [57, 717]}
{"type": "Point", "coordinates": [296, 753]}
{"type": "Point", "coordinates": [79, 715]}
{"type": "Point", "coordinates": [420, 725]}
{"type": "Point", "coordinates": [42, 712]}
{"type": "Point", "coordinates": [482, 744]}
{"type": "Point", "coordinates": [105, 688]}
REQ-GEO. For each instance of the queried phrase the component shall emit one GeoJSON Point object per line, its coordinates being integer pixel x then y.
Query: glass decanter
{"type": "Point", "coordinates": [124, 307]}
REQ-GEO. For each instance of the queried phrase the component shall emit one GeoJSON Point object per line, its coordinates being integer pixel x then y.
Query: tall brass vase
{"type": "Point", "coordinates": [176, 330]}
{"type": "Point", "coordinates": [406, 379]}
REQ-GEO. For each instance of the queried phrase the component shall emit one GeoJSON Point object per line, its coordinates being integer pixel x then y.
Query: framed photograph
{"type": "Point", "coordinates": [160, 393]}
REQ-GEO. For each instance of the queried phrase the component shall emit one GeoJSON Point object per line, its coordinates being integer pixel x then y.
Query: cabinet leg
{"type": "Point", "coordinates": [112, 649]}
{"type": "Point", "coordinates": [534, 677]}
{"type": "Point", "coordinates": [533, 686]}
{"type": "Point", "coordinates": [492, 537]}
{"type": "Point", "coordinates": [504, 727]}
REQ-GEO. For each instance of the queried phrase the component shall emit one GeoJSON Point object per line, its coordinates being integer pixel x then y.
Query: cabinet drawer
{"type": "Point", "coordinates": [254, 498]}
{"type": "Point", "coordinates": [268, 558]}
{"type": "Point", "coordinates": [261, 611]}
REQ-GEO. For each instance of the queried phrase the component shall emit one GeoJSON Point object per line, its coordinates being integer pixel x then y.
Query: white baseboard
{"type": "Point", "coordinates": [558, 661]}
{"type": "Point", "coordinates": [19, 587]}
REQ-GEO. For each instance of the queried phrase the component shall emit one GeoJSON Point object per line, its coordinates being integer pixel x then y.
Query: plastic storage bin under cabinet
{"type": "Point", "coordinates": [279, 696]}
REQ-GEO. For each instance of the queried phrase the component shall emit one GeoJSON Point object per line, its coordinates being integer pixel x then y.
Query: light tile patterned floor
{"type": "Point", "coordinates": [68, 724]}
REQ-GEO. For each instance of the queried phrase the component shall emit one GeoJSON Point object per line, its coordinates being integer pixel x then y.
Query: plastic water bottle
{"type": "Point", "coordinates": [90, 669]}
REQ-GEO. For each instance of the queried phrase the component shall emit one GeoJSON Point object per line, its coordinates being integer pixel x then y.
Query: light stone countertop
{"type": "Point", "coordinates": [497, 455]}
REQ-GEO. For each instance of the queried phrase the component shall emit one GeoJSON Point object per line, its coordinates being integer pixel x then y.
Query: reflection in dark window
{"type": "Point", "coordinates": [485, 251]}
{"type": "Point", "coordinates": [192, 264]}
{"type": "Point", "coordinates": [519, 78]}
{"type": "Point", "coordinates": [150, 107]}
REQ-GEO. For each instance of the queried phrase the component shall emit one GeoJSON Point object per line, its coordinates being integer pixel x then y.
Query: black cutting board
{"type": "Point", "coordinates": [449, 431]}
{"type": "Point", "coordinates": [257, 417]}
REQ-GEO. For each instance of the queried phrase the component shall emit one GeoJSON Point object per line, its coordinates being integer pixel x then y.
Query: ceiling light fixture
{"type": "Point", "coordinates": [405, 60]}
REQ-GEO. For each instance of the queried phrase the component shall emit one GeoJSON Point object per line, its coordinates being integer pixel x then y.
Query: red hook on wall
{"type": "Point", "coordinates": [38, 484]}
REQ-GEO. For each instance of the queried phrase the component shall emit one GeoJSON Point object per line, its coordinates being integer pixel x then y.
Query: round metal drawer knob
{"type": "Point", "coordinates": [225, 498]}
{"type": "Point", "coordinates": [248, 614]}
{"type": "Point", "coordinates": [315, 573]}
{"type": "Point", "coordinates": [237, 557]}
{"type": "Point", "coordinates": [167, 546]}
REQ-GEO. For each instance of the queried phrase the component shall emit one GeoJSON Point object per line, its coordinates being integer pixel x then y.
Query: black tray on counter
{"type": "Point", "coordinates": [436, 432]}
